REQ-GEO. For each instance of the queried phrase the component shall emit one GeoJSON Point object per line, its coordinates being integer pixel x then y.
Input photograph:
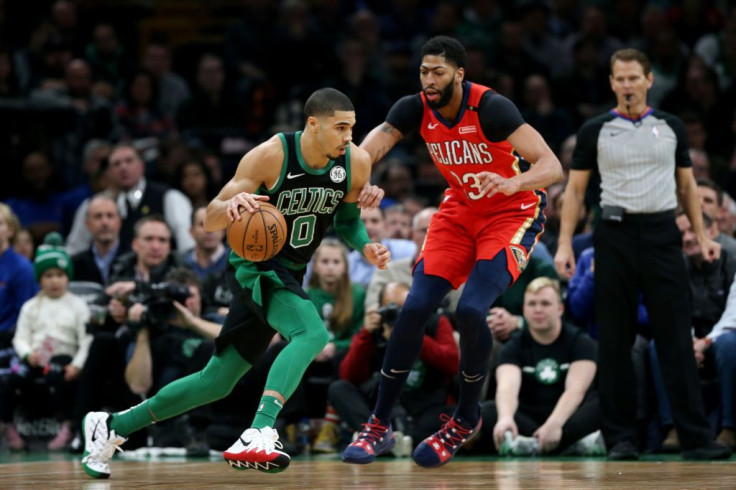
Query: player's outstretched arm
{"type": "Point", "coordinates": [260, 166]}
{"type": "Point", "coordinates": [380, 141]}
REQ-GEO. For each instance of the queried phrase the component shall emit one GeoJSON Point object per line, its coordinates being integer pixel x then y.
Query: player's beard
{"type": "Point", "coordinates": [444, 98]}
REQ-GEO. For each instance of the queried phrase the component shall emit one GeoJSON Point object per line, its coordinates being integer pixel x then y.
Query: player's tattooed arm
{"type": "Point", "coordinates": [381, 140]}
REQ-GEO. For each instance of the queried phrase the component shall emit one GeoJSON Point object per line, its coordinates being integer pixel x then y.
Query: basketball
{"type": "Point", "coordinates": [258, 236]}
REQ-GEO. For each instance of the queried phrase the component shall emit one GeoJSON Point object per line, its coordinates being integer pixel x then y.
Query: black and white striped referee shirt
{"type": "Point", "coordinates": [636, 158]}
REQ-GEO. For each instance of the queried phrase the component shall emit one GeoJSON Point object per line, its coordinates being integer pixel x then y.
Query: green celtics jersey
{"type": "Point", "coordinates": [307, 197]}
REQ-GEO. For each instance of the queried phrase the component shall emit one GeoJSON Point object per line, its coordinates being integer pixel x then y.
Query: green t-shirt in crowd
{"type": "Point", "coordinates": [324, 301]}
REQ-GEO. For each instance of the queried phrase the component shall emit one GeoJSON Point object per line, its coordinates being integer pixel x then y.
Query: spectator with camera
{"type": "Point", "coordinates": [103, 222]}
{"type": "Point", "coordinates": [52, 342]}
{"type": "Point", "coordinates": [102, 382]}
{"type": "Point", "coordinates": [544, 397]}
{"type": "Point", "coordinates": [425, 393]}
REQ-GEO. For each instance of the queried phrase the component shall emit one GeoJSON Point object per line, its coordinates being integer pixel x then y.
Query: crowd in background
{"type": "Point", "coordinates": [121, 120]}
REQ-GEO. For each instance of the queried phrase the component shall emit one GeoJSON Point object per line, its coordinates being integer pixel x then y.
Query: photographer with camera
{"type": "Point", "coordinates": [425, 393]}
{"type": "Point", "coordinates": [170, 332]}
{"type": "Point", "coordinates": [102, 382]}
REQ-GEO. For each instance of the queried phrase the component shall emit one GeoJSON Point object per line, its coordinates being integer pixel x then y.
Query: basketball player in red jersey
{"type": "Point", "coordinates": [489, 221]}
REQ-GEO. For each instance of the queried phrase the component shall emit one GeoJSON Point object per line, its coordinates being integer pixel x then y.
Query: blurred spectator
{"type": "Point", "coordinates": [594, 29]}
{"type": "Point", "coordinates": [95, 178]}
{"type": "Point", "coordinates": [39, 204]}
{"type": "Point", "coordinates": [338, 299]}
{"type": "Point", "coordinates": [445, 19]}
{"type": "Point", "coordinates": [209, 257]}
{"type": "Point", "coordinates": [194, 179]}
{"type": "Point", "coordinates": [653, 20]}
{"type": "Point", "coordinates": [545, 400]}
{"type": "Point", "coordinates": [363, 85]}
{"type": "Point", "coordinates": [398, 222]}
{"type": "Point", "coordinates": [539, 110]}
{"type": "Point", "coordinates": [668, 57]}
{"type": "Point", "coordinates": [255, 26]}
{"type": "Point", "coordinates": [727, 218]}
{"type": "Point", "coordinates": [424, 396]}
{"type": "Point", "coordinates": [539, 44]}
{"type": "Point", "coordinates": [103, 223]}
{"type": "Point", "coordinates": [511, 56]}
{"type": "Point", "coordinates": [138, 113]}
{"type": "Point", "coordinates": [24, 244]}
{"type": "Point", "coordinates": [65, 20]}
{"type": "Point", "coordinates": [150, 260]}
{"type": "Point", "coordinates": [340, 305]}
{"type": "Point", "coordinates": [53, 343]}
{"type": "Point", "coordinates": [401, 270]}
{"type": "Point", "coordinates": [93, 117]}
{"type": "Point", "coordinates": [711, 201]}
{"type": "Point", "coordinates": [360, 269]}
{"type": "Point", "coordinates": [211, 104]}
{"type": "Point", "coordinates": [480, 27]}
{"type": "Point", "coordinates": [9, 86]}
{"type": "Point", "coordinates": [107, 57]}
{"type": "Point", "coordinates": [698, 91]}
{"type": "Point", "coordinates": [697, 135]}
{"type": "Point", "coordinates": [172, 89]}
{"type": "Point", "coordinates": [17, 283]}
{"type": "Point", "coordinates": [565, 152]}
{"type": "Point", "coordinates": [691, 19]}
{"type": "Point", "coordinates": [137, 197]}
{"type": "Point", "coordinates": [585, 91]}
{"type": "Point", "coordinates": [394, 177]}
{"type": "Point", "coordinates": [721, 345]}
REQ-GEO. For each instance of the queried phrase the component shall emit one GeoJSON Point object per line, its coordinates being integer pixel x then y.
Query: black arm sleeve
{"type": "Point", "coordinates": [585, 155]}
{"type": "Point", "coordinates": [498, 116]}
{"type": "Point", "coordinates": [406, 114]}
{"type": "Point", "coordinates": [682, 155]}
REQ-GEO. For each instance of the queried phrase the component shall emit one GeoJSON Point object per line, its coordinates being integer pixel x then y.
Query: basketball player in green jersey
{"type": "Point", "coordinates": [314, 177]}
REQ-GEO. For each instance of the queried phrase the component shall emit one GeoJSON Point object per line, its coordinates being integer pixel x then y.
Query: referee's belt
{"type": "Point", "coordinates": [617, 214]}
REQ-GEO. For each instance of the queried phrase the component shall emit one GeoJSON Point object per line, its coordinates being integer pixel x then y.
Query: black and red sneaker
{"type": "Point", "coordinates": [439, 448]}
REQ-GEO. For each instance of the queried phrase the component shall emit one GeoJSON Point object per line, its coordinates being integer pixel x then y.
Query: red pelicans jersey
{"type": "Point", "coordinates": [461, 151]}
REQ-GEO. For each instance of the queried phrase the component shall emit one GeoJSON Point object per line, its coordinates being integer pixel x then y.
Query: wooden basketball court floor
{"type": "Point", "coordinates": [64, 472]}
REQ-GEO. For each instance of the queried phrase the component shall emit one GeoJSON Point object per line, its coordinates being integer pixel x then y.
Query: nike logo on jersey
{"type": "Point", "coordinates": [293, 176]}
{"type": "Point", "coordinates": [615, 133]}
{"type": "Point", "coordinates": [527, 206]}
{"type": "Point", "coordinates": [432, 126]}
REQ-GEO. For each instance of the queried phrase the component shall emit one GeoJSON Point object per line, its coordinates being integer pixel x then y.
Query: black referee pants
{"type": "Point", "coordinates": [644, 253]}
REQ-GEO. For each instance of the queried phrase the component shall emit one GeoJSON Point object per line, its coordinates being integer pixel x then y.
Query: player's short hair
{"type": "Point", "coordinates": [450, 48]}
{"type": "Point", "coordinates": [544, 282]}
{"type": "Point", "coordinates": [325, 101]}
{"type": "Point", "coordinates": [630, 54]}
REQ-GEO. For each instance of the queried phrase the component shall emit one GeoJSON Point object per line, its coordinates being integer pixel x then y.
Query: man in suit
{"type": "Point", "coordinates": [103, 222]}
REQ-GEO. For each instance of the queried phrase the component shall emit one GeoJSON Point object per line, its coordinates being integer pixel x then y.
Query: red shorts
{"type": "Point", "coordinates": [459, 236]}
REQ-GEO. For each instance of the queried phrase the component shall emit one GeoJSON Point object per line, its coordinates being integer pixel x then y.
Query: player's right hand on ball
{"type": "Point", "coordinates": [247, 201]}
{"type": "Point", "coordinates": [377, 254]}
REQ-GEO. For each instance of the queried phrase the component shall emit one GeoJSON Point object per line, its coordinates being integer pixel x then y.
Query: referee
{"type": "Point", "coordinates": [642, 157]}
